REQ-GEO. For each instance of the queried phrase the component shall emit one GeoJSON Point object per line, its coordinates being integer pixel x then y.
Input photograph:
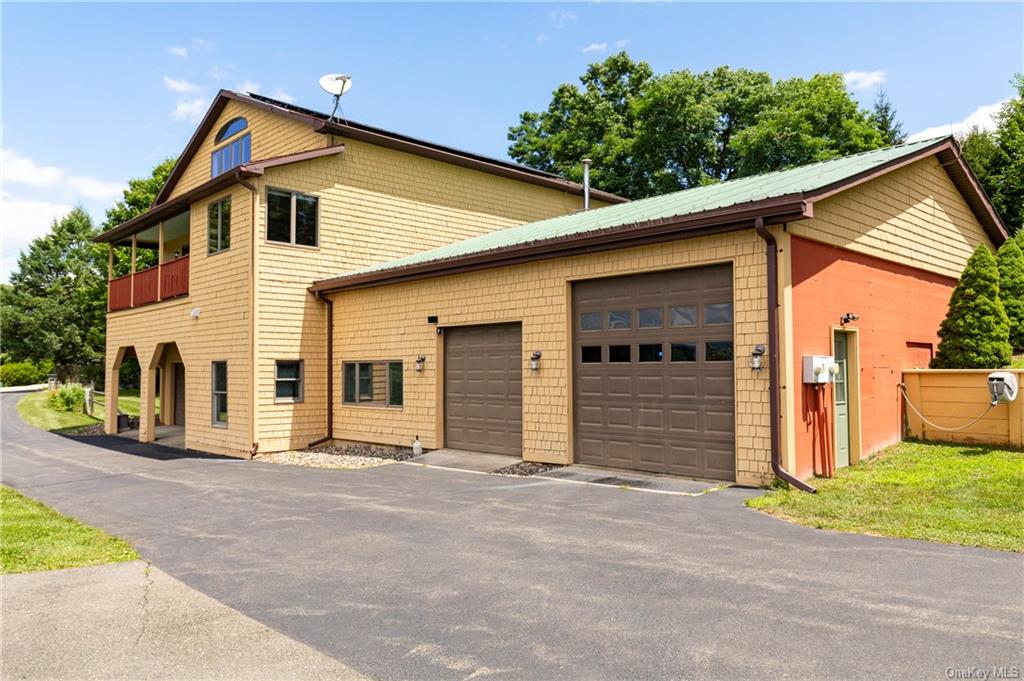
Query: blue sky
{"type": "Point", "coordinates": [95, 94]}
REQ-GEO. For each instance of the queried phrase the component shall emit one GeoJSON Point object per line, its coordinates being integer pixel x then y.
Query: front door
{"type": "Point", "coordinates": [842, 406]}
{"type": "Point", "coordinates": [179, 394]}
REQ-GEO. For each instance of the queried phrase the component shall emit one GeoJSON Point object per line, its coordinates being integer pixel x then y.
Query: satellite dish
{"type": "Point", "coordinates": [336, 84]}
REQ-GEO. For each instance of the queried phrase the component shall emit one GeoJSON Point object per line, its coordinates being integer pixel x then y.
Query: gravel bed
{"type": "Point", "coordinates": [93, 429]}
{"type": "Point", "coordinates": [526, 468]}
{"type": "Point", "coordinates": [316, 458]}
{"type": "Point", "coordinates": [366, 451]}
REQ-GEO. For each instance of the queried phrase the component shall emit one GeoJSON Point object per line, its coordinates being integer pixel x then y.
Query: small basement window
{"type": "Point", "coordinates": [378, 383]}
{"type": "Point", "coordinates": [292, 217]}
{"type": "Point", "coordinates": [288, 375]}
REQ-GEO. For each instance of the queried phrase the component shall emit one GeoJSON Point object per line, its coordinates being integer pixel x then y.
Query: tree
{"type": "Point", "coordinates": [653, 134]}
{"type": "Point", "coordinates": [1011, 287]}
{"type": "Point", "coordinates": [997, 158]}
{"type": "Point", "coordinates": [975, 333]}
{"type": "Point", "coordinates": [595, 121]}
{"type": "Point", "coordinates": [883, 117]}
{"type": "Point", "coordinates": [55, 306]}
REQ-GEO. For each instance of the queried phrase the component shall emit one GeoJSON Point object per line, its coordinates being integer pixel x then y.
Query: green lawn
{"type": "Point", "coordinates": [955, 494]}
{"type": "Point", "coordinates": [34, 537]}
{"type": "Point", "coordinates": [35, 411]}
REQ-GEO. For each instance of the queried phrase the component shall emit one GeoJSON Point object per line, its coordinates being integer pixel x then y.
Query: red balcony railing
{"type": "Point", "coordinates": [119, 294]}
{"type": "Point", "coordinates": [174, 278]}
{"type": "Point", "coordinates": [169, 280]}
{"type": "Point", "coordinates": [145, 284]}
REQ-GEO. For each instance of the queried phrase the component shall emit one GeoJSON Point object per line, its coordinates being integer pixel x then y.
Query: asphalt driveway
{"type": "Point", "coordinates": [403, 571]}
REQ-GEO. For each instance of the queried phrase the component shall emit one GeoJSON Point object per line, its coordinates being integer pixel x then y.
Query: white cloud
{"type": "Point", "coordinates": [189, 110]}
{"type": "Point", "coordinates": [24, 220]}
{"type": "Point", "coordinates": [201, 44]}
{"type": "Point", "coordinates": [864, 80]}
{"type": "Point", "coordinates": [18, 169]}
{"type": "Point", "coordinates": [180, 86]}
{"type": "Point", "coordinates": [178, 51]}
{"type": "Point", "coordinates": [621, 44]}
{"type": "Point", "coordinates": [278, 93]}
{"type": "Point", "coordinates": [561, 17]}
{"type": "Point", "coordinates": [542, 38]}
{"type": "Point", "coordinates": [248, 86]}
{"type": "Point", "coordinates": [22, 170]}
{"type": "Point", "coordinates": [983, 117]}
{"type": "Point", "coordinates": [596, 47]}
{"type": "Point", "coordinates": [218, 72]}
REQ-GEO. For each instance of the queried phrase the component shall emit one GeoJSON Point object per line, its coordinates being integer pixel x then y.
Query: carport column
{"type": "Point", "coordinates": [147, 399]}
{"type": "Point", "coordinates": [113, 377]}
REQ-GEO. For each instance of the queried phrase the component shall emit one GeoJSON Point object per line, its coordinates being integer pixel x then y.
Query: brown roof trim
{"type": "Point", "coordinates": [375, 136]}
{"type": "Point", "coordinates": [463, 159]}
{"type": "Point", "coordinates": [259, 166]}
{"type": "Point", "coordinates": [172, 207]}
{"type": "Point", "coordinates": [949, 156]}
{"type": "Point", "coordinates": [775, 210]}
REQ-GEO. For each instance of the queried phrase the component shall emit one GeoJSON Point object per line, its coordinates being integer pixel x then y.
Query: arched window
{"type": "Point", "coordinates": [232, 127]}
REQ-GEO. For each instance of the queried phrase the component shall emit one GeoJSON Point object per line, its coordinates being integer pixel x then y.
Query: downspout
{"type": "Point", "coordinates": [330, 370]}
{"type": "Point", "coordinates": [773, 358]}
{"type": "Point", "coordinates": [253, 392]}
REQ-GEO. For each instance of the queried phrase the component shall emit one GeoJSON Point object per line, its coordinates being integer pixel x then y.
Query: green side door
{"type": "Point", "coordinates": [842, 407]}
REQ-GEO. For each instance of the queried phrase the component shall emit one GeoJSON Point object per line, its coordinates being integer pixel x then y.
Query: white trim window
{"type": "Point", "coordinates": [292, 217]}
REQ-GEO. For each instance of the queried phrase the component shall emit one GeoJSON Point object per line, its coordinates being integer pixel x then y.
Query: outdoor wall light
{"type": "Point", "coordinates": [420, 361]}
{"type": "Point", "coordinates": [195, 313]}
{"type": "Point", "coordinates": [757, 358]}
{"type": "Point", "coordinates": [535, 360]}
{"type": "Point", "coordinates": [848, 317]}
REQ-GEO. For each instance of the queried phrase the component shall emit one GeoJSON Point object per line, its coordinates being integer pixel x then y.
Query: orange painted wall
{"type": "Point", "coordinates": [900, 309]}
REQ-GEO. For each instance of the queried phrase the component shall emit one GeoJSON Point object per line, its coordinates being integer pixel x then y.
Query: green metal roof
{"type": "Point", "coordinates": [776, 184]}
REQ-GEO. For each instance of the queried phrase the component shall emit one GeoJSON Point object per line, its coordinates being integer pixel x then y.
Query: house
{"type": "Point", "coordinates": [324, 280]}
{"type": "Point", "coordinates": [265, 199]}
{"type": "Point", "coordinates": [670, 334]}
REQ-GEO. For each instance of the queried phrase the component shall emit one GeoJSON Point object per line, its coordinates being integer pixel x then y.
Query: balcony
{"type": "Point", "coordinates": [162, 282]}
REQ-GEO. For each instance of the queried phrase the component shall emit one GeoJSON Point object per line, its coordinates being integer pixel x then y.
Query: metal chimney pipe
{"type": "Point", "coordinates": [586, 183]}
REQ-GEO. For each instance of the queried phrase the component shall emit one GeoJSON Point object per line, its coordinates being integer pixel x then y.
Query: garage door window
{"type": "Point", "coordinates": [590, 354]}
{"type": "Point", "coordinates": [372, 383]}
{"type": "Point", "coordinates": [590, 321]}
{"type": "Point", "coordinates": [683, 352]}
{"type": "Point", "coordinates": [718, 351]}
{"type": "Point", "coordinates": [650, 352]}
{"type": "Point", "coordinates": [683, 315]}
{"type": "Point", "coordinates": [649, 318]}
{"type": "Point", "coordinates": [619, 354]}
{"type": "Point", "coordinates": [718, 313]}
{"type": "Point", "coordinates": [619, 320]}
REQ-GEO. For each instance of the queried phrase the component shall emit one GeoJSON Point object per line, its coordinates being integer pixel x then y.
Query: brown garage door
{"type": "Point", "coordinates": [654, 372]}
{"type": "Point", "coordinates": [483, 388]}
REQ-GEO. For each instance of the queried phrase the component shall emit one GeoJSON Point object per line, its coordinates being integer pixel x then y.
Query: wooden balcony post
{"type": "Point", "coordinates": [159, 261]}
{"type": "Point", "coordinates": [110, 271]}
{"type": "Point", "coordinates": [134, 248]}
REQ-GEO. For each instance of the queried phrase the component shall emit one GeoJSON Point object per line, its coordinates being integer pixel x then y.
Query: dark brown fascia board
{"type": "Point", "coordinates": [774, 211]}
{"type": "Point", "coordinates": [948, 153]}
{"type": "Point", "coordinates": [466, 161]}
{"type": "Point", "coordinates": [172, 207]}
{"type": "Point", "coordinates": [258, 167]}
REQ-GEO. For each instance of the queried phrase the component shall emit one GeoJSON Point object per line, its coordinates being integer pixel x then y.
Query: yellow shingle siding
{"type": "Point", "coordinates": [219, 288]}
{"type": "Point", "coordinates": [272, 135]}
{"type": "Point", "coordinates": [389, 322]}
{"type": "Point", "coordinates": [375, 204]}
{"type": "Point", "coordinates": [913, 216]}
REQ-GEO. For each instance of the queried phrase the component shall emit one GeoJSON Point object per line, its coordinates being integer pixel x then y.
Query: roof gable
{"type": "Point", "coordinates": [776, 197]}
